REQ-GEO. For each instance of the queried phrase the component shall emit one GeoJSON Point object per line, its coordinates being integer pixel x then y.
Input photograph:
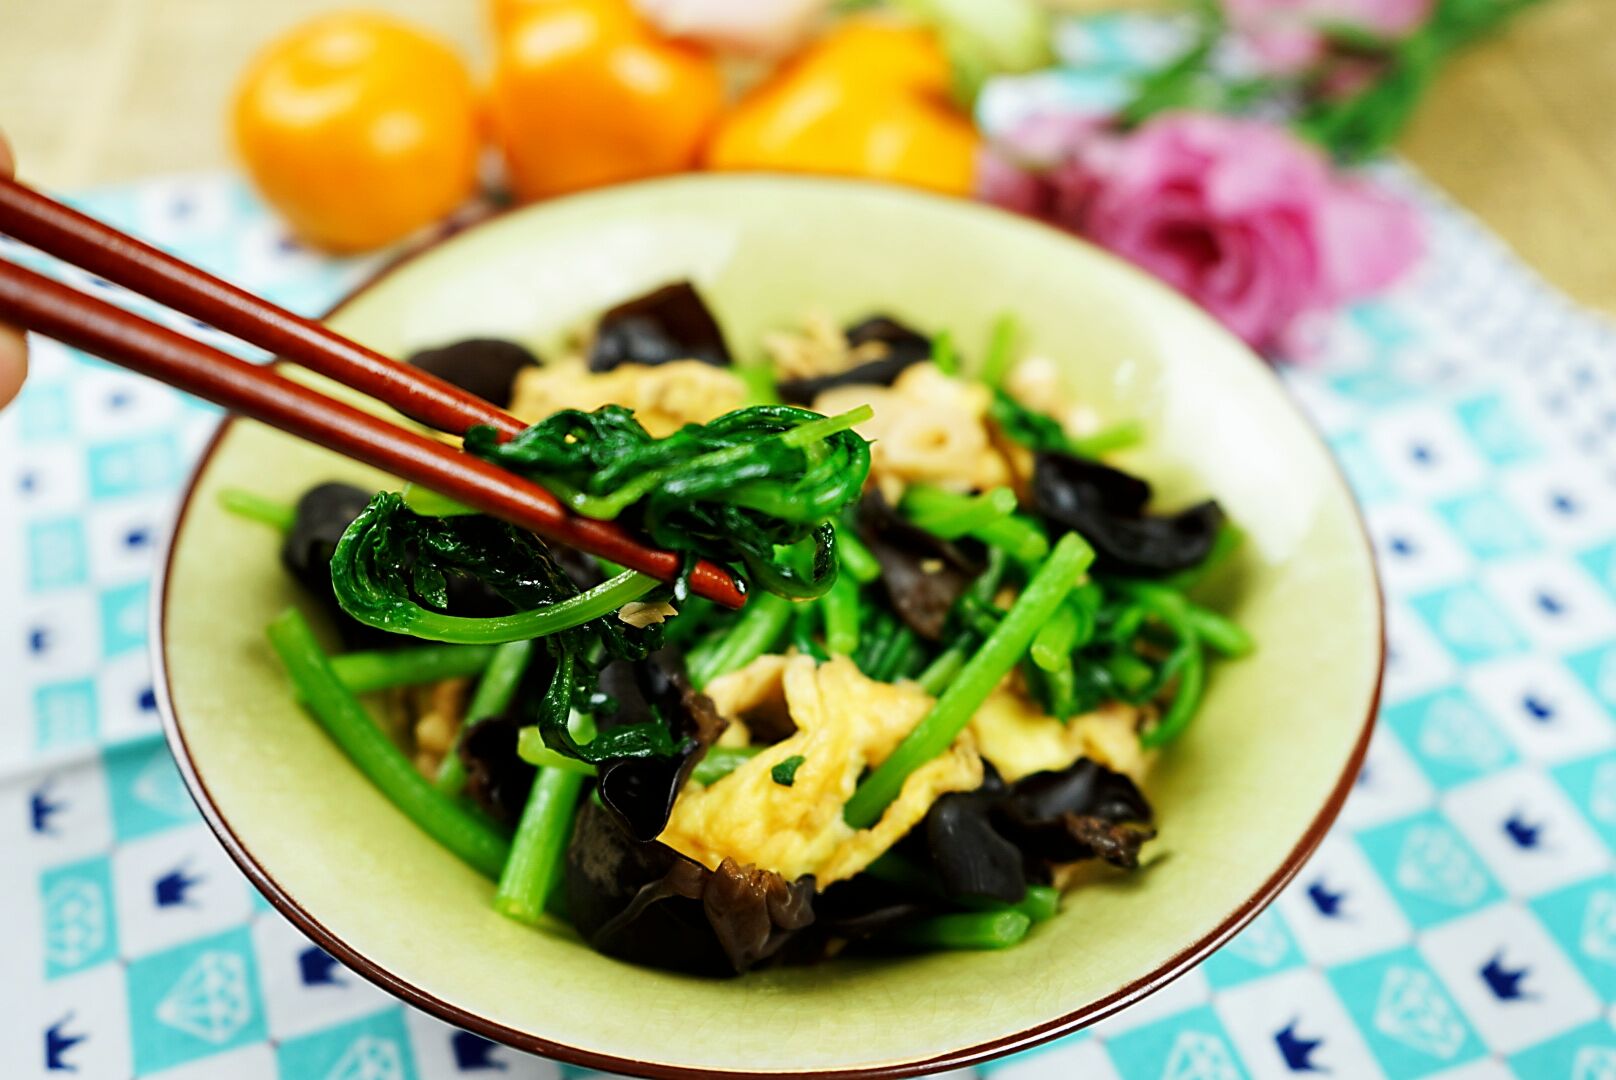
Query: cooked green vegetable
{"type": "Point", "coordinates": [959, 702]}
{"type": "Point", "coordinates": [383, 669]}
{"type": "Point", "coordinates": [762, 622]}
{"type": "Point", "coordinates": [374, 754]}
{"type": "Point", "coordinates": [943, 354]}
{"type": "Point", "coordinates": [1000, 343]}
{"type": "Point", "coordinates": [841, 611]}
{"type": "Point", "coordinates": [255, 507]}
{"type": "Point", "coordinates": [785, 773]}
{"type": "Point", "coordinates": [391, 567]}
{"type": "Point", "coordinates": [951, 516]}
{"type": "Point", "coordinates": [720, 761]}
{"type": "Point", "coordinates": [856, 559]}
{"type": "Point", "coordinates": [965, 930]}
{"type": "Point", "coordinates": [542, 834]}
{"type": "Point", "coordinates": [732, 490]}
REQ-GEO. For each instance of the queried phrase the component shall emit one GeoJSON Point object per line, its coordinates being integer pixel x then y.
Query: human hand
{"type": "Point", "coordinates": [13, 352]}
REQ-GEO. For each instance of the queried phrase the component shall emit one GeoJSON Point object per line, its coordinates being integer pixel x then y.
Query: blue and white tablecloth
{"type": "Point", "coordinates": [1459, 922]}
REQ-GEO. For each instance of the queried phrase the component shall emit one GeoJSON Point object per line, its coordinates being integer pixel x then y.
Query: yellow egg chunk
{"type": "Point", "coordinates": [845, 723]}
{"type": "Point", "coordinates": [928, 428]}
{"type": "Point", "coordinates": [664, 397]}
{"type": "Point", "coordinates": [1020, 739]}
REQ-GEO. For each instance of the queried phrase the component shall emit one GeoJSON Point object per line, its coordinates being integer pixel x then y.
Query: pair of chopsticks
{"type": "Point", "coordinates": [84, 322]}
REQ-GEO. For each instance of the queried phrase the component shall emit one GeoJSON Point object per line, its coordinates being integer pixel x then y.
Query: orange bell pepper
{"type": "Point", "coordinates": [872, 98]}
{"type": "Point", "coordinates": [584, 93]}
{"type": "Point", "coordinates": [359, 129]}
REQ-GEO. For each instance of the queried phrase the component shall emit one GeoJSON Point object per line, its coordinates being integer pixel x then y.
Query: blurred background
{"type": "Point", "coordinates": [1520, 128]}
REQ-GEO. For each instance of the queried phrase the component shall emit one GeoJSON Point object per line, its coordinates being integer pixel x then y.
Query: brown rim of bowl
{"type": "Point", "coordinates": [1140, 988]}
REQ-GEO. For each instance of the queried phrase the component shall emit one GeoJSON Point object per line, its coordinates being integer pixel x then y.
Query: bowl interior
{"type": "Point", "coordinates": [1239, 798]}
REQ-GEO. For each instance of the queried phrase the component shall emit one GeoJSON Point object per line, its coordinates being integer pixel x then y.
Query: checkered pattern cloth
{"type": "Point", "coordinates": [1460, 921]}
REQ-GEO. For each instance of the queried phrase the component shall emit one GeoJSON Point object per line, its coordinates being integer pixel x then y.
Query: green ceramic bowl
{"type": "Point", "coordinates": [1241, 799]}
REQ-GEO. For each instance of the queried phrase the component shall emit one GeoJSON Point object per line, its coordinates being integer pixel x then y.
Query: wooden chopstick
{"type": "Point", "coordinates": [84, 322]}
{"type": "Point", "coordinates": [80, 240]}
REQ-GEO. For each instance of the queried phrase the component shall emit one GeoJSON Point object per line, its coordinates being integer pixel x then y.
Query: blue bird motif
{"type": "Point", "coordinates": [473, 1052]}
{"type": "Point", "coordinates": [316, 967]}
{"type": "Point", "coordinates": [1563, 504]}
{"type": "Point", "coordinates": [1538, 709]}
{"type": "Point", "coordinates": [170, 890]}
{"type": "Point", "coordinates": [1328, 903]}
{"type": "Point", "coordinates": [58, 1043]}
{"type": "Point", "coordinates": [38, 639]}
{"type": "Point", "coordinates": [137, 538]}
{"type": "Point", "coordinates": [1297, 1051]}
{"type": "Point", "coordinates": [1504, 982]}
{"type": "Point", "coordinates": [148, 700]}
{"type": "Point", "coordinates": [41, 809]}
{"type": "Point", "coordinates": [1402, 545]}
{"type": "Point", "coordinates": [1550, 604]}
{"type": "Point", "coordinates": [1522, 833]}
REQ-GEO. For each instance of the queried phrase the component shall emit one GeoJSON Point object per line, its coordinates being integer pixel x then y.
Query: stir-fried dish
{"type": "Point", "coordinates": [966, 637]}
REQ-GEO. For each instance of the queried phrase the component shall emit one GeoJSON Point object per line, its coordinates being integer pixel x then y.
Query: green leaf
{"type": "Point", "coordinates": [732, 490]}
{"type": "Point", "coordinates": [785, 773]}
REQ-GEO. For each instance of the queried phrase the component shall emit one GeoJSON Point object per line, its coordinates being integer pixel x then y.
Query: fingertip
{"type": "Point", "coordinates": [13, 365]}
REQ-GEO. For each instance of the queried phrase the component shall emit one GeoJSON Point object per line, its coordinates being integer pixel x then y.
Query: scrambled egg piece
{"type": "Point", "coordinates": [845, 722]}
{"type": "Point", "coordinates": [1020, 739]}
{"type": "Point", "coordinates": [664, 397]}
{"type": "Point", "coordinates": [928, 428]}
{"type": "Point", "coordinates": [820, 348]}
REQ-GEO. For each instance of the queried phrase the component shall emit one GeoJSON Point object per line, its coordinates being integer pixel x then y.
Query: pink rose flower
{"type": "Point", "coordinates": [1285, 34]}
{"type": "Point", "coordinates": [1238, 215]}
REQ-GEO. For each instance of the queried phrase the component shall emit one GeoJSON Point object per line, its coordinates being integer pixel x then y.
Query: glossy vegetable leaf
{"type": "Point", "coordinates": [731, 490]}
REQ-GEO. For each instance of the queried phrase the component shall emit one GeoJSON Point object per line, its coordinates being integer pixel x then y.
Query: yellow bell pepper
{"type": "Point", "coordinates": [872, 98]}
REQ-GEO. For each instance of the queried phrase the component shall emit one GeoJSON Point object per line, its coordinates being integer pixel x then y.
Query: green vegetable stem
{"type": "Point", "coordinates": [493, 696]}
{"type": "Point", "coordinates": [382, 669]}
{"type": "Point", "coordinates": [344, 719]}
{"type": "Point", "coordinates": [965, 930]}
{"type": "Point", "coordinates": [539, 849]}
{"type": "Point", "coordinates": [761, 623]}
{"type": "Point", "coordinates": [255, 507]}
{"type": "Point", "coordinates": [1003, 649]}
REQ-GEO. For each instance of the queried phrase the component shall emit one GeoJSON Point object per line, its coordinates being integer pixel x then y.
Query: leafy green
{"type": "Point", "coordinates": [393, 569]}
{"type": "Point", "coordinates": [785, 773]}
{"type": "Point", "coordinates": [732, 490]}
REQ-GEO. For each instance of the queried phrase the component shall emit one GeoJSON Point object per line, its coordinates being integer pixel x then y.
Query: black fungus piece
{"type": "Point", "coordinates": [486, 367]}
{"type": "Point", "coordinates": [322, 515]}
{"type": "Point", "coordinates": [671, 323]}
{"type": "Point", "coordinates": [1082, 812]}
{"type": "Point", "coordinates": [496, 778]}
{"type": "Point", "coordinates": [971, 858]}
{"type": "Point", "coordinates": [864, 906]}
{"type": "Point", "coordinates": [645, 903]}
{"type": "Point", "coordinates": [641, 790]}
{"type": "Point", "coordinates": [1107, 507]}
{"type": "Point", "coordinates": [903, 348]}
{"type": "Point", "coordinates": [923, 575]}
{"type": "Point", "coordinates": [580, 568]}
